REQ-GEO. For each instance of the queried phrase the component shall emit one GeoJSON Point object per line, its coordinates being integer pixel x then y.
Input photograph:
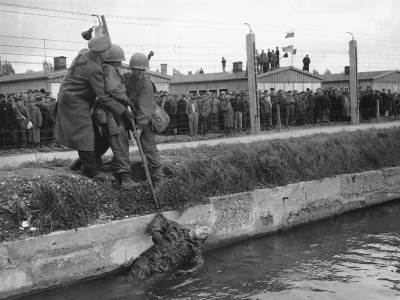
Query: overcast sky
{"type": "Point", "coordinates": [188, 35]}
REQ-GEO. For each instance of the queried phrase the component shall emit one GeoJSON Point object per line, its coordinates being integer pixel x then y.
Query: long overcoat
{"type": "Point", "coordinates": [83, 82]}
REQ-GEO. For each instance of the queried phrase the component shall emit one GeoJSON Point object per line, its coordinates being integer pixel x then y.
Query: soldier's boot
{"type": "Point", "coordinates": [108, 166]}
{"type": "Point", "coordinates": [127, 183]}
{"type": "Point", "coordinates": [75, 165]}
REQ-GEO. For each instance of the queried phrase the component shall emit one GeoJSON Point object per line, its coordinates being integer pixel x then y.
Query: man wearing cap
{"type": "Point", "coordinates": [82, 85]}
{"type": "Point", "coordinates": [140, 91]}
{"type": "Point", "coordinates": [7, 120]}
{"type": "Point", "coordinates": [37, 121]}
{"type": "Point", "coordinates": [22, 117]}
{"type": "Point", "coordinates": [192, 110]}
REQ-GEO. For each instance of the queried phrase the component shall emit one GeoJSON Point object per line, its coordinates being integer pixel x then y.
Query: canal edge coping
{"type": "Point", "coordinates": [66, 256]}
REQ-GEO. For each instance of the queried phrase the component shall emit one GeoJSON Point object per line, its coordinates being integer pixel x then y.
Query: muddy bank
{"type": "Point", "coordinates": [53, 198]}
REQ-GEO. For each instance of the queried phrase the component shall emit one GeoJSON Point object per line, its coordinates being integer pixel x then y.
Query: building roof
{"type": "Point", "coordinates": [361, 76]}
{"type": "Point", "coordinates": [33, 76]}
{"type": "Point", "coordinates": [221, 76]}
{"type": "Point", "coordinates": [53, 74]}
{"type": "Point", "coordinates": [284, 69]}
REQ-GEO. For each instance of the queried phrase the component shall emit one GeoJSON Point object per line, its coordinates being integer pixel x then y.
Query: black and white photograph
{"type": "Point", "coordinates": [194, 150]}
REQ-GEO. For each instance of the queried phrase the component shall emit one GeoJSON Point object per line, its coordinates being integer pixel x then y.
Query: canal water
{"type": "Point", "coordinates": [355, 256]}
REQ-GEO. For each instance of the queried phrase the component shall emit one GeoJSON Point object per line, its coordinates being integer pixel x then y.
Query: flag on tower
{"type": "Point", "coordinates": [287, 49]}
{"type": "Point", "coordinates": [289, 34]}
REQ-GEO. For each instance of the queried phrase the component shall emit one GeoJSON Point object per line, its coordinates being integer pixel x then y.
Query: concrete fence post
{"type": "Point", "coordinates": [252, 84]}
{"type": "Point", "coordinates": [355, 119]}
{"type": "Point", "coordinates": [278, 112]}
{"type": "Point", "coordinates": [378, 118]}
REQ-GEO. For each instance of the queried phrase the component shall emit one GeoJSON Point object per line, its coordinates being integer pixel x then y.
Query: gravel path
{"type": "Point", "coordinates": [15, 160]}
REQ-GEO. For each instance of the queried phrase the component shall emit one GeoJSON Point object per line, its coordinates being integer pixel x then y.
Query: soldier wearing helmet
{"type": "Point", "coordinates": [82, 85]}
{"type": "Point", "coordinates": [140, 90]}
{"type": "Point", "coordinates": [115, 127]}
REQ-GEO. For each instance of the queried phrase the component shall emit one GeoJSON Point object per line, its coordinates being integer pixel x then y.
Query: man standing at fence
{"type": "Point", "coordinates": [192, 110]}
{"type": "Point", "coordinates": [22, 118]}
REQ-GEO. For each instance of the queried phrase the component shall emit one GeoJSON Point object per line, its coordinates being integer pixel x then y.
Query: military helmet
{"type": "Point", "coordinates": [139, 61]}
{"type": "Point", "coordinates": [116, 53]}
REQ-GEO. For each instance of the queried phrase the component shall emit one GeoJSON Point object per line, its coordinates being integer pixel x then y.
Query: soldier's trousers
{"type": "Point", "coordinates": [193, 124]}
{"type": "Point", "coordinates": [91, 160]}
{"type": "Point", "coordinates": [147, 138]}
{"type": "Point", "coordinates": [119, 144]}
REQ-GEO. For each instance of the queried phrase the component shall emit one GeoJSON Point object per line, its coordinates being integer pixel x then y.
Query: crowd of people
{"type": "Point", "coordinates": [388, 103]}
{"type": "Point", "coordinates": [28, 120]}
{"type": "Point", "coordinates": [268, 61]}
{"type": "Point", "coordinates": [229, 112]}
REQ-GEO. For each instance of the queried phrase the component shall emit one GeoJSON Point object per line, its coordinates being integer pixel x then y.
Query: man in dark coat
{"type": "Point", "coordinates": [174, 246]}
{"type": "Point", "coordinates": [269, 55]}
{"type": "Point", "coordinates": [306, 63]}
{"type": "Point", "coordinates": [277, 57]}
{"type": "Point", "coordinates": [22, 117]}
{"type": "Point", "coordinates": [83, 83]}
{"type": "Point", "coordinates": [182, 119]}
{"type": "Point", "coordinates": [264, 61]}
{"type": "Point", "coordinates": [7, 119]}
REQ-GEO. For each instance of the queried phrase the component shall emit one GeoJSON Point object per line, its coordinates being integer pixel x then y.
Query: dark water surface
{"type": "Point", "coordinates": [355, 256]}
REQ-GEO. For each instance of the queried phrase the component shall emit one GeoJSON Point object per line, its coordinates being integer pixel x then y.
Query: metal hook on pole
{"type": "Point", "coordinates": [352, 36]}
{"type": "Point", "coordinates": [249, 27]}
{"type": "Point", "coordinates": [98, 18]}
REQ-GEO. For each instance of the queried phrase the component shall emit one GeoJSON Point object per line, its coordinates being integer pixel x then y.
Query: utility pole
{"type": "Point", "coordinates": [252, 83]}
{"type": "Point", "coordinates": [355, 119]}
{"type": "Point", "coordinates": [45, 56]}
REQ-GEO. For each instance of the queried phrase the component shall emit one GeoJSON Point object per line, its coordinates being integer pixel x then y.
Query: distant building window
{"type": "Point", "coordinates": [203, 92]}
{"type": "Point", "coordinates": [223, 90]}
{"type": "Point", "coordinates": [193, 93]}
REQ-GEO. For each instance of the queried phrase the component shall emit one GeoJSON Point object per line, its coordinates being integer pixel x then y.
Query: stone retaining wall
{"type": "Point", "coordinates": [63, 257]}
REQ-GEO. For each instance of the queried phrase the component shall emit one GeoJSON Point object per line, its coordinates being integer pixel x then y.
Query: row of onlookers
{"type": "Point", "coordinates": [29, 120]}
{"type": "Point", "coordinates": [26, 120]}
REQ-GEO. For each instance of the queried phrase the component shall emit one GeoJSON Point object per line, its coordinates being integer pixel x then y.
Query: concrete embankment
{"type": "Point", "coordinates": [63, 257]}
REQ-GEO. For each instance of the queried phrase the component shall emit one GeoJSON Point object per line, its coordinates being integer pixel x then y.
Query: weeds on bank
{"type": "Point", "coordinates": [194, 175]}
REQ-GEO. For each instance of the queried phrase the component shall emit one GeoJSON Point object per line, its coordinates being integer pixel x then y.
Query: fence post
{"type": "Point", "coordinates": [278, 111]}
{"type": "Point", "coordinates": [252, 84]}
{"type": "Point", "coordinates": [355, 118]}
{"type": "Point", "coordinates": [378, 115]}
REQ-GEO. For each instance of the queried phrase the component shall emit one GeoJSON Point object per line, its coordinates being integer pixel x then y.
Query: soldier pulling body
{"type": "Point", "coordinates": [174, 246]}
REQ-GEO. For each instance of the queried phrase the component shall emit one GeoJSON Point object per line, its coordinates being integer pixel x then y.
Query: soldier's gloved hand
{"type": "Point", "coordinates": [127, 116]}
{"type": "Point", "coordinates": [137, 132]}
{"type": "Point", "coordinates": [156, 237]}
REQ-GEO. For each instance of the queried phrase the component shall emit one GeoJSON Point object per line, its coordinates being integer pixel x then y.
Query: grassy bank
{"type": "Point", "coordinates": [53, 198]}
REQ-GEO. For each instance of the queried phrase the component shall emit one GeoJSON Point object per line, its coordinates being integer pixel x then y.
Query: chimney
{"type": "Point", "coordinates": [237, 67]}
{"type": "Point", "coordinates": [346, 70]}
{"type": "Point", "coordinates": [60, 63]}
{"type": "Point", "coordinates": [164, 69]}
